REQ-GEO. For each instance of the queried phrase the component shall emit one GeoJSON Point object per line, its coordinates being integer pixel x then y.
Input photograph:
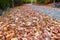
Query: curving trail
{"type": "Point", "coordinates": [52, 13]}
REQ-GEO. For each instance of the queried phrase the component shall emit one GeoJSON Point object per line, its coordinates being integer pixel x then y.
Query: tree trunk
{"type": "Point", "coordinates": [12, 3]}
{"type": "Point", "coordinates": [54, 2]}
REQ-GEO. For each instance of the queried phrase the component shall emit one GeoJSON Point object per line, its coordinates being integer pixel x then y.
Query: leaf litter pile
{"type": "Point", "coordinates": [23, 23]}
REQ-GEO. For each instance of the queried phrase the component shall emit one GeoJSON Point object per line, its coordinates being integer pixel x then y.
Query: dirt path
{"type": "Point", "coordinates": [51, 12]}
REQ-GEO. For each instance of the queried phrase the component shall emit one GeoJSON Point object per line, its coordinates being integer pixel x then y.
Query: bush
{"type": "Point", "coordinates": [44, 1]}
{"type": "Point", "coordinates": [57, 0]}
{"type": "Point", "coordinates": [18, 2]}
{"type": "Point", "coordinates": [40, 1]}
{"type": "Point", "coordinates": [4, 4]}
{"type": "Point", "coordinates": [26, 1]}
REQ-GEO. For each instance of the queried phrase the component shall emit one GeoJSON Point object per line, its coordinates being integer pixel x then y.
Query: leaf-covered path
{"type": "Point", "coordinates": [23, 23]}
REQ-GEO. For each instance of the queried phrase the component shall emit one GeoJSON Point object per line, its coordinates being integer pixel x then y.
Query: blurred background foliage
{"type": "Point", "coordinates": [4, 3]}
{"type": "Point", "coordinates": [26, 1]}
{"type": "Point", "coordinates": [8, 3]}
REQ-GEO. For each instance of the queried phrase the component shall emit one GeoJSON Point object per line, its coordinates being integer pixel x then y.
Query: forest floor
{"type": "Point", "coordinates": [29, 22]}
